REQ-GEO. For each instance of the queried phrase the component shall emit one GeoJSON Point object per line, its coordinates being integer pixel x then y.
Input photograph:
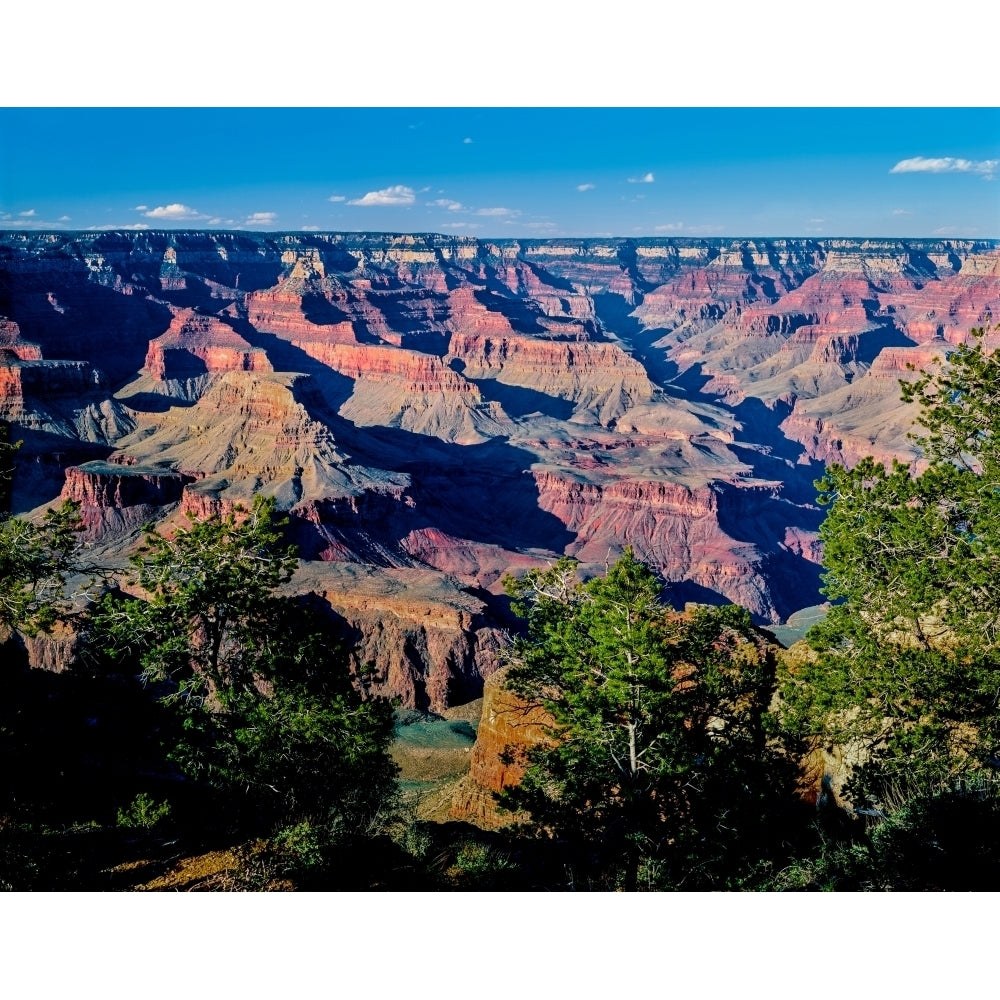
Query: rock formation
{"type": "Point", "coordinates": [435, 412]}
{"type": "Point", "coordinates": [508, 728]}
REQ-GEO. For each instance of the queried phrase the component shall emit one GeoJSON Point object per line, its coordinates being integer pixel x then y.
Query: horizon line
{"type": "Point", "coordinates": [817, 238]}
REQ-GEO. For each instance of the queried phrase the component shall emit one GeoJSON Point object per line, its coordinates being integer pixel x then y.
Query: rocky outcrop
{"type": "Point", "coordinates": [54, 651]}
{"type": "Point", "coordinates": [250, 432]}
{"type": "Point", "coordinates": [719, 537]}
{"type": "Point", "coordinates": [117, 500]}
{"type": "Point", "coordinates": [509, 727]}
{"type": "Point", "coordinates": [411, 635]}
{"type": "Point", "coordinates": [597, 377]}
{"type": "Point", "coordinates": [866, 417]}
{"type": "Point", "coordinates": [417, 392]}
{"type": "Point", "coordinates": [13, 347]}
{"type": "Point", "coordinates": [195, 344]}
{"type": "Point", "coordinates": [103, 484]}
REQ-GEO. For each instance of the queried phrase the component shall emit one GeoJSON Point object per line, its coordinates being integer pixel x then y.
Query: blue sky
{"type": "Point", "coordinates": [506, 172]}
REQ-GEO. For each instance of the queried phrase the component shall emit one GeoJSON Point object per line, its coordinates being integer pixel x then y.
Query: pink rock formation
{"type": "Point", "coordinates": [508, 728]}
{"type": "Point", "coordinates": [452, 409]}
{"type": "Point", "coordinates": [116, 500]}
{"type": "Point", "coordinates": [193, 338]}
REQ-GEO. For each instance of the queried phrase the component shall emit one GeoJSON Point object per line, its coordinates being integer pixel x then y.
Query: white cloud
{"type": "Point", "coordinates": [215, 222]}
{"type": "Point", "coordinates": [175, 212]}
{"type": "Point", "coordinates": [466, 141]}
{"type": "Point", "coordinates": [901, 211]}
{"type": "Point", "coordinates": [64, 218]}
{"type": "Point", "coordinates": [340, 197]}
{"type": "Point", "coordinates": [956, 231]}
{"type": "Point", "coordinates": [683, 227]}
{"type": "Point", "coordinates": [141, 208]}
{"type": "Point", "coordinates": [946, 165]}
{"type": "Point", "coordinates": [398, 194]}
{"type": "Point", "coordinates": [461, 225]}
{"type": "Point", "coordinates": [585, 187]}
{"type": "Point", "coordinates": [452, 206]}
{"type": "Point", "coordinates": [816, 222]}
{"type": "Point", "coordinates": [497, 211]}
{"type": "Point", "coordinates": [644, 179]}
{"type": "Point", "coordinates": [30, 220]}
{"type": "Point", "coordinates": [133, 225]}
{"type": "Point", "coordinates": [260, 219]}
{"type": "Point", "coordinates": [310, 229]}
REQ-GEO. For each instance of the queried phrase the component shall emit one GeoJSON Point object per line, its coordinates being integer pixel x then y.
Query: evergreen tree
{"type": "Point", "coordinates": [907, 672]}
{"type": "Point", "coordinates": [270, 714]}
{"type": "Point", "coordinates": [659, 764]}
{"type": "Point", "coordinates": [35, 563]}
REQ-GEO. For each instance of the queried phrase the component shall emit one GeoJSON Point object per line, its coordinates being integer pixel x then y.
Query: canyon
{"type": "Point", "coordinates": [436, 412]}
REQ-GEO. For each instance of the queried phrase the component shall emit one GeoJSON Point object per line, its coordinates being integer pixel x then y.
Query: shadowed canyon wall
{"type": "Point", "coordinates": [435, 412]}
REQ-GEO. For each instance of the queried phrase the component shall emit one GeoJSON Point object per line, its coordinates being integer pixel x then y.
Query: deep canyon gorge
{"type": "Point", "coordinates": [435, 412]}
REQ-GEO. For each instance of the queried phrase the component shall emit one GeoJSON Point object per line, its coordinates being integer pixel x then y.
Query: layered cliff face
{"type": "Point", "coordinates": [195, 344]}
{"type": "Point", "coordinates": [866, 417]}
{"type": "Point", "coordinates": [60, 411]}
{"type": "Point", "coordinates": [411, 633]}
{"type": "Point", "coordinates": [509, 727]}
{"type": "Point", "coordinates": [447, 410]}
{"type": "Point", "coordinates": [116, 501]}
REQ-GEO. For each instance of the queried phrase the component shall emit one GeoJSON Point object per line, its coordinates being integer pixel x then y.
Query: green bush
{"type": "Point", "coordinates": [143, 813]}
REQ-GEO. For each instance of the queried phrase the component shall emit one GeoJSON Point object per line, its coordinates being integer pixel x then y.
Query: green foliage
{"type": "Point", "coordinates": [659, 749]}
{"type": "Point", "coordinates": [269, 715]}
{"type": "Point", "coordinates": [208, 624]}
{"type": "Point", "coordinates": [907, 672]}
{"type": "Point", "coordinates": [945, 839]}
{"type": "Point", "coordinates": [480, 866]}
{"type": "Point", "coordinates": [21, 859]}
{"type": "Point", "coordinates": [143, 813]}
{"type": "Point", "coordinates": [35, 562]}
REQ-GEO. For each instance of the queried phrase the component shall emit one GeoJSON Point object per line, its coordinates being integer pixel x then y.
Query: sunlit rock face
{"type": "Point", "coordinates": [437, 412]}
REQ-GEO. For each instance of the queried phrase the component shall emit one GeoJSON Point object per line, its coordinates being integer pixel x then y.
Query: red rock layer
{"type": "Point", "coordinates": [102, 484]}
{"type": "Point", "coordinates": [116, 500]}
{"type": "Point", "coordinates": [43, 380]}
{"type": "Point", "coordinates": [193, 338]}
{"type": "Point", "coordinates": [13, 346]}
{"type": "Point", "coordinates": [508, 728]}
{"type": "Point", "coordinates": [478, 563]}
{"type": "Point", "coordinates": [948, 309]}
{"type": "Point", "coordinates": [682, 531]}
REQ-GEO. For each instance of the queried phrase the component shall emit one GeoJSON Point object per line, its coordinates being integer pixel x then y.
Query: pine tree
{"type": "Point", "coordinates": [270, 712]}
{"type": "Point", "coordinates": [659, 760]}
{"type": "Point", "coordinates": [907, 672]}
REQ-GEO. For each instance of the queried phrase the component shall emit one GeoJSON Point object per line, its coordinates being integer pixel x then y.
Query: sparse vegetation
{"type": "Point", "coordinates": [143, 813]}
